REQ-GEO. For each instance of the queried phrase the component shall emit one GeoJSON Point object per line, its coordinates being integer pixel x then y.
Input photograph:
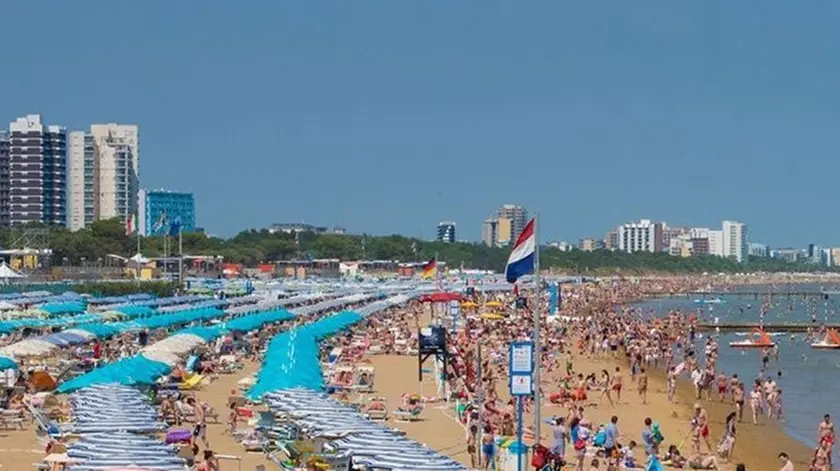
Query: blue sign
{"type": "Point", "coordinates": [521, 368]}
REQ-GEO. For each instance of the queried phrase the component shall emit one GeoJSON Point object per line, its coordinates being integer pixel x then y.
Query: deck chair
{"type": "Point", "coordinates": [11, 418]}
{"type": "Point", "coordinates": [192, 382]}
{"type": "Point", "coordinates": [410, 415]}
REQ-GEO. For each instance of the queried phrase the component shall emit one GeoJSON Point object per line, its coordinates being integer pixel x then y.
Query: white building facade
{"type": "Point", "coordinates": [735, 245]}
{"type": "Point", "coordinates": [103, 174]}
{"type": "Point", "coordinates": [641, 236]}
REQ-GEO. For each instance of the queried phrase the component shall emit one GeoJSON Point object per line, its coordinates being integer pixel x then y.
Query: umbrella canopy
{"type": "Point", "coordinates": [440, 297]}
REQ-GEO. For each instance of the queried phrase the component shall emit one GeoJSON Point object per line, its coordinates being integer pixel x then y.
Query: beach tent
{"type": "Point", "coordinates": [6, 272]}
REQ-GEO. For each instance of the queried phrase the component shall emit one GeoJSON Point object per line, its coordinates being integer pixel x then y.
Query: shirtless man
{"type": "Point", "coordinates": [826, 432]}
{"type": "Point", "coordinates": [722, 386]}
{"type": "Point", "coordinates": [672, 383]}
{"type": "Point", "coordinates": [200, 429]}
{"type": "Point", "coordinates": [617, 384]}
{"type": "Point", "coordinates": [700, 420]}
{"type": "Point", "coordinates": [643, 385]}
{"type": "Point", "coordinates": [738, 398]}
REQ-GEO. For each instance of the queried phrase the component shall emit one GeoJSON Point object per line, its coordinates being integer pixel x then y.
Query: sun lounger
{"type": "Point", "coordinates": [11, 419]}
{"type": "Point", "coordinates": [411, 415]}
{"type": "Point", "coordinates": [192, 382]}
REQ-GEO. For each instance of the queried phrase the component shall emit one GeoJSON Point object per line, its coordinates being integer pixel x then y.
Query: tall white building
{"type": "Point", "coordinates": [735, 244]}
{"type": "Point", "coordinates": [642, 236]}
{"type": "Point", "coordinates": [103, 173]}
{"type": "Point", "coordinates": [716, 243]}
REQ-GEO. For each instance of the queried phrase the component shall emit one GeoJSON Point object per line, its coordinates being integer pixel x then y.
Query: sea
{"type": "Point", "coordinates": [810, 378]}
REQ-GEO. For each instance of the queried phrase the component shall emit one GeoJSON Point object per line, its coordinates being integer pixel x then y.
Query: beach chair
{"type": "Point", "coordinates": [192, 382]}
{"type": "Point", "coordinates": [11, 418]}
{"type": "Point", "coordinates": [408, 415]}
{"type": "Point", "coordinates": [376, 410]}
{"type": "Point", "coordinates": [48, 427]}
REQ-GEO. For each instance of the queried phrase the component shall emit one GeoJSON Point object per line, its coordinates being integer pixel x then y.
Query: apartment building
{"type": "Point", "coordinates": [37, 172]}
{"type": "Point", "coordinates": [103, 173]}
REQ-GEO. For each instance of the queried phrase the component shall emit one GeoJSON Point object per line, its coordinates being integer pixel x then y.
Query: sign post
{"type": "Point", "coordinates": [454, 311]}
{"type": "Point", "coordinates": [521, 374]}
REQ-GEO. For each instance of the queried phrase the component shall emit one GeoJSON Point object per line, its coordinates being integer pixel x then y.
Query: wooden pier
{"type": "Point", "coordinates": [791, 328]}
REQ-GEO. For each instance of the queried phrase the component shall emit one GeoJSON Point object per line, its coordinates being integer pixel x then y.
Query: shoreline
{"type": "Point", "coordinates": [752, 439]}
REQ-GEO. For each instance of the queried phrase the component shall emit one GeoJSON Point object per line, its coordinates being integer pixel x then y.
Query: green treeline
{"type": "Point", "coordinates": [252, 247]}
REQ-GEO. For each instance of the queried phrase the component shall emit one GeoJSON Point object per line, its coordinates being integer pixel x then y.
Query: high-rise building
{"type": "Point", "coordinates": [496, 232]}
{"type": "Point", "coordinates": [159, 209]}
{"type": "Point", "coordinates": [518, 217]}
{"type": "Point", "coordinates": [700, 244]}
{"type": "Point", "coordinates": [611, 240]}
{"type": "Point", "coordinates": [446, 231]}
{"type": "Point", "coordinates": [716, 243]}
{"type": "Point", "coordinates": [37, 172]}
{"type": "Point", "coordinates": [103, 173]}
{"type": "Point", "coordinates": [4, 179]}
{"type": "Point", "coordinates": [490, 232]}
{"type": "Point", "coordinates": [735, 244]}
{"type": "Point", "coordinates": [642, 236]}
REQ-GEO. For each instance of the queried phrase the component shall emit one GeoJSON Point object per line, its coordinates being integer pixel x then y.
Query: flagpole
{"type": "Point", "coordinates": [537, 349]}
{"type": "Point", "coordinates": [437, 272]}
{"type": "Point", "coordinates": [180, 254]}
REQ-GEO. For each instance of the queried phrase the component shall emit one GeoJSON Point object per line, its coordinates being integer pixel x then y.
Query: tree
{"type": "Point", "coordinates": [251, 247]}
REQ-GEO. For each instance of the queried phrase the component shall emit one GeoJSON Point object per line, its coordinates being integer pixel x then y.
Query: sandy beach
{"type": "Point", "coordinates": [757, 446]}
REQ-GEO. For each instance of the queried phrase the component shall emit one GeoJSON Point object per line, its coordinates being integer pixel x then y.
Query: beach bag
{"type": "Point", "coordinates": [540, 457]}
{"type": "Point", "coordinates": [600, 439]}
{"type": "Point", "coordinates": [580, 445]}
{"type": "Point", "coordinates": [657, 434]}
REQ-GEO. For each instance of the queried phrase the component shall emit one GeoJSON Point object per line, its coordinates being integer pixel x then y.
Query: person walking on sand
{"type": "Point", "coordinates": [672, 384]}
{"type": "Point", "coordinates": [617, 384]}
{"type": "Point", "coordinates": [643, 385]}
{"type": "Point", "coordinates": [738, 398]}
{"type": "Point", "coordinates": [826, 431]}
{"type": "Point", "coordinates": [700, 424]}
{"type": "Point", "coordinates": [607, 387]}
{"type": "Point", "coordinates": [611, 435]}
{"type": "Point", "coordinates": [727, 443]}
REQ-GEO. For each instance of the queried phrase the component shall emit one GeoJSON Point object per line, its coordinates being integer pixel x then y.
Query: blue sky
{"type": "Point", "coordinates": [388, 116]}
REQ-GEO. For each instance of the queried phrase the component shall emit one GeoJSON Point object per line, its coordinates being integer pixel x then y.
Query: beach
{"type": "Point", "coordinates": [440, 430]}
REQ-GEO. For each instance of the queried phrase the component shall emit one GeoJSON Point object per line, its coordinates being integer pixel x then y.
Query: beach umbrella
{"type": "Point", "coordinates": [132, 469]}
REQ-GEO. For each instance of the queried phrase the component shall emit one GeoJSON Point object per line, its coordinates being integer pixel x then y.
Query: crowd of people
{"type": "Point", "coordinates": [618, 347]}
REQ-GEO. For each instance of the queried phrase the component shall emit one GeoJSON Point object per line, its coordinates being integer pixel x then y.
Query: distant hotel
{"type": "Point", "coordinates": [297, 227]}
{"type": "Point", "coordinates": [641, 236]}
{"type": "Point", "coordinates": [103, 174]}
{"type": "Point", "coordinates": [159, 209]}
{"type": "Point", "coordinates": [503, 229]}
{"type": "Point", "coordinates": [37, 172]}
{"type": "Point", "coordinates": [446, 232]}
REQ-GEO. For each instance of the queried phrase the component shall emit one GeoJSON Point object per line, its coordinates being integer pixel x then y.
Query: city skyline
{"type": "Point", "coordinates": [72, 178]}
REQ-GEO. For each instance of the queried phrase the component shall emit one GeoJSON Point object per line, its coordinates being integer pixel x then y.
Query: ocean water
{"type": "Point", "coordinates": [810, 378]}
